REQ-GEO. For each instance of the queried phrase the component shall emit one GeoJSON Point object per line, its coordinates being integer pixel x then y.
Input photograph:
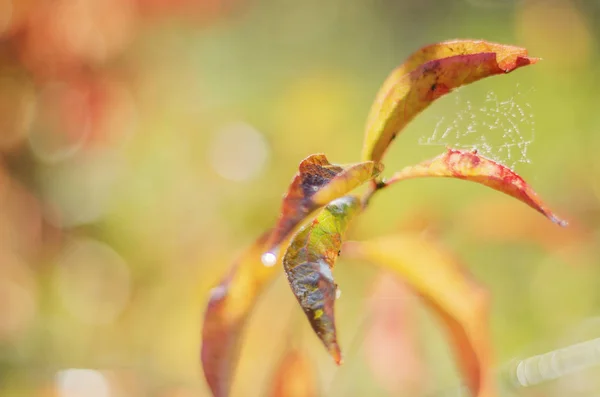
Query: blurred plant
{"type": "Point", "coordinates": [317, 210]}
{"type": "Point", "coordinates": [61, 69]}
{"type": "Point", "coordinates": [294, 376]}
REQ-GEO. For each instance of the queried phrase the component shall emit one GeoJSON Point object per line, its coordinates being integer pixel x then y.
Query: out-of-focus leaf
{"type": "Point", "coordinates": [317, 183]}
{"type": "Point", "coordinates": [295, 377]}
{"type": "Point", "coordinates": [309, 262]}
{"type": "Point", "coordinates": [427, 75]}
{"type": "Point", "coordinates": [473, 167]}
{"type": "Point", "coordinates": [506, 222]}
{"type": "Point", "coordinates": [392, 339]}
{"type": "Point", "coordinates": [435, 275]}
{"type": "Point", "coordinates": [229, 305]}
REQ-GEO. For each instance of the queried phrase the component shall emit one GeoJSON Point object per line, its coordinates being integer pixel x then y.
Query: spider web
{"type": "Point", "coordinates": [500, 129]}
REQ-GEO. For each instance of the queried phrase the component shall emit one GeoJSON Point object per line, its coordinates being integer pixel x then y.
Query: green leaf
{"type": "Point", "coordinates": [309, 262]}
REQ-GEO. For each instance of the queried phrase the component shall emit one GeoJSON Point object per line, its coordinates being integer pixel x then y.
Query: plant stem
{"type": "Point", "coordinates": [374, 186]}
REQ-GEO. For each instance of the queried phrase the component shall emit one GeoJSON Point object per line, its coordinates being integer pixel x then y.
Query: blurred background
{"type": "Point", "coordinates": [145, 143]}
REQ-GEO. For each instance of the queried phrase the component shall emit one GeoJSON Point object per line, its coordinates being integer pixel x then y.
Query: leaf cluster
{"type": "Point", "coordinates": [319, 206]}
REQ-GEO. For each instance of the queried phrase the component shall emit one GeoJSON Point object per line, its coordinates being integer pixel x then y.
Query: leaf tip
{"type": "Point", "coordinates": [558, 221]}
{"type": "Point", "coordinates": [336, 353]}
{"type": "Point", "coordinates": [510, 64]}
{"type": "Point", "coordinates": [522, 61]}
{"type": "Point", "coordinates": [525, 60]}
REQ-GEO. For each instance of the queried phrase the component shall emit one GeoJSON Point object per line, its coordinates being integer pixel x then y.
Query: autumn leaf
{"type": "Point", "coordinates": [392, 345]}
{"type": "Point", "coordinates": [441, 50]}
{"type": "Point", "coordinates": [294, 377]}
{"type": "Point", "coordinates": [471, 166]}
{"type": "Point", "coordinates": [317, 183]}
{"type": "Point", "coordinates": [308, 264]}
{"type": "Point", "coordinates": [428, 74]}
{"type": "Point", "coordinates": [229, 305]}
{"type": "Point", "coordinates": [435, 275]}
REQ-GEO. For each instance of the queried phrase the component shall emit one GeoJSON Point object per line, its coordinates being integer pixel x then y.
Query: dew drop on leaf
{"type": "Point", "coordinates": [268, 259]}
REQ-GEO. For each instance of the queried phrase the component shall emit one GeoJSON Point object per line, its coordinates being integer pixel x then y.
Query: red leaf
{"type": "Point", "coordinates": [473, 167]}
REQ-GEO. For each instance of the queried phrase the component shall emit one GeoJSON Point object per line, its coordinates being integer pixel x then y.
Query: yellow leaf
{"type": "Point", "coordinates": [228, 308]}
{"type": "Point", "coordinates": [435, 275]}
{"type": "Point", "coordinates": [428, 74]}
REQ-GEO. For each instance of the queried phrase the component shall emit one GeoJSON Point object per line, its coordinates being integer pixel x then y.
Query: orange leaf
{"type": "Point", "coordinates": [229, 305]}
{"type": "Point", "coordinates": [308, 264]}
{"type": "Point", "coordinates": [428, 74]}
{"type": "Point", "coordinates": [473, 167]}
{"type": "Point", "coordinates": [317, 183]}
{"type": "Point", "coordinates": [435, 275]}
{"type": "Point", "coordinates": [294, 377]}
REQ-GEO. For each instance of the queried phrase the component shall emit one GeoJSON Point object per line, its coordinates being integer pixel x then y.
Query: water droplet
{"type": "Point", "coordinates": [268, 259]}
{"type": "Point", "coordinates": [76, 382]}
{"type": "Point", "coordinates": [338, 293]}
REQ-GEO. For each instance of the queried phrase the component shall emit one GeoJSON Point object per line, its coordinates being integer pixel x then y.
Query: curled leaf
{"type": "Point", "coordinates": [317, 183]}
{"type": "Point", "coordinates": [435, 275]}
{"type": "Point", "coordinates": [471, 166]}
{"type": "Point", "coordinates": [428, 74]}
{"type": "Point", "coordinates": [309, 262]}
{"type": "Point", "coordinates": [229, 305]}
{"type": "Point", "coordinates": [445, 49]}
{"type": "Point", "coordinates": [294, 377]}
